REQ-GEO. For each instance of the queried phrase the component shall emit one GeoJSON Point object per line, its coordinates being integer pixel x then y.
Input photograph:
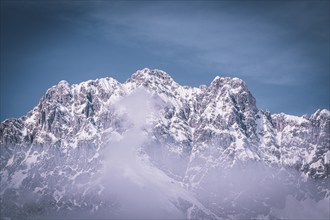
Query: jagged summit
{"type": "Point", "coordinates": [147, 75]}
{"type": "Point", "coordinates": [221, 81]}
{"type": "Point", "coordinates": [185, 140]}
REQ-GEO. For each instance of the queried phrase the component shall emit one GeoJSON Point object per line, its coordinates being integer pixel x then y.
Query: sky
{"type": "Point", "coordinates": [279, 48]}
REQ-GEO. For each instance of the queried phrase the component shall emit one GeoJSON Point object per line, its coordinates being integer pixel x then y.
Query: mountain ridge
{"type": "Point", "coordinates": [192, 135]}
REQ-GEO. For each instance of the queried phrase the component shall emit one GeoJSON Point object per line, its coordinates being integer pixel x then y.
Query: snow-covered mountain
{"type": "Point", "coordinates": [151, 148]}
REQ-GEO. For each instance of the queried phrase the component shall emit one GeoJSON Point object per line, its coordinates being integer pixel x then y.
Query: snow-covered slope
{"type": "Point", "coordinates": [151, 148]}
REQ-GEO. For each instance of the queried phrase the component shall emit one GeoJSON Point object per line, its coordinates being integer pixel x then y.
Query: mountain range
{"type": "Point", "coordinates": [151, 148]}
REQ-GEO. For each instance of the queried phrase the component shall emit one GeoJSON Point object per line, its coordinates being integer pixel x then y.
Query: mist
{"type": "Point", "coordinates": [127, 172]}
{"type": "Point", "coordinates": [254, 190]}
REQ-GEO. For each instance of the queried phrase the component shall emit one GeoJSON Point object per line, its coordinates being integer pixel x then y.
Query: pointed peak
{"type": "Point", "coordinates": [321, 113]}
{"type": "Point", "coordinates": [235, 82]}
{"type": "Point", "coordinates": [152, 72]}
{"type": "Point", "coordinates": [218, 81]}
{"type": "Point", "coordinates": [63, 83]}
{"type": "Point", "coordinates": [148, 74]}
{"type": "Point", "coordinates": [217, 78]}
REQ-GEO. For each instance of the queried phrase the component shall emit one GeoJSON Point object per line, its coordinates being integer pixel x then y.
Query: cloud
{"type": "Point", "coordinates": [244, 41]}
{"type": "Point", "coordinates": [306, 209]}
{"type": "Point", "coordinates": [280, 44]}
{"type": "Point", "coordinates": [127, 173]}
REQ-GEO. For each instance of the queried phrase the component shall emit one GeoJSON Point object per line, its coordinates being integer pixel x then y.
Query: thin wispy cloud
{"type": "Point", "coordinates": [268, 44]}
{"type": "Point", "coordinates": [235, 43]}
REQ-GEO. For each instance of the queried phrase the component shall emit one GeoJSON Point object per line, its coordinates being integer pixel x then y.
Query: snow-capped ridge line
{"type": "Point", "coordinates": [189, 136]}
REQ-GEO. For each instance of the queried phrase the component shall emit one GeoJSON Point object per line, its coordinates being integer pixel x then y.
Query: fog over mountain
{"type": "Point", "coordinates": [151, 148]}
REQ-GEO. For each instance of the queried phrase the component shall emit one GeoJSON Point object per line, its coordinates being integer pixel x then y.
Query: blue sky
{"type": "Point", "coordinates": [280, 48]}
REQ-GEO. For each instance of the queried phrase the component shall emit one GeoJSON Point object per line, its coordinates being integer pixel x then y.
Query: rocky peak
{"type": "Point", "coordinates": [321, 114]}
{"type": "Point", "coordinates": [235, 91]}
{"type": "Point", "coordinates": [63, 83]}
{"type": "Point", "coordinates": [234, 83]}
{"type": "Point", "coordinates": [147, 76]}
{"type": "Point", "coordinates": [154, 80]}
{"type": "Point", "coordinates": [59, 93]}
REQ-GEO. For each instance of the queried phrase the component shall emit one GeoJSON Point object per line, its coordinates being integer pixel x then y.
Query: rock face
{"type": "Point", "coordinates": [207, 152]}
